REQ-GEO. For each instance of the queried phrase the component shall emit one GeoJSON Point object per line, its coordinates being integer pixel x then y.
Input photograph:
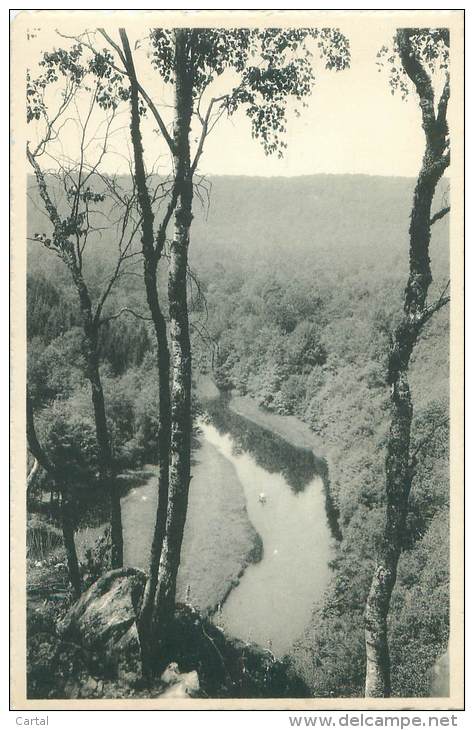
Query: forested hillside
{"type": "Point", "coordinates": [305, 331]}
{"type": "Point", "coordinates": [300, 281]}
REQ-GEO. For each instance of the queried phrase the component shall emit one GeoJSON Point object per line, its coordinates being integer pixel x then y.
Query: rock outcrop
{"type": "Point", "coordinates": [98, 637]}
{"type": "Point", "coordinates": [103, 622]}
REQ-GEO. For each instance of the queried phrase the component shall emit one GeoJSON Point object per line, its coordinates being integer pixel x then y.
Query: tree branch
{"type": "Point", "coordinates": [440, 214]}
{"type": "Point", "coordinates": [114, 45]}
{"type": "Point", "coordinates": [124, 310]}
{"type": "Point", "coordinates": [424, 442]}
{"type": "Point", "coordinates": [428, 311]}
{"type": "Point", "coordinates": [50, 207]}
{"type": "Point", "coordinates": [80, 41]}
{"type": "Point", "coordinates": [161, 235]}
{"type": "Point", "coordinates": [130, 67]}
{"type": "Point", "coordinates": [418, 75]}
{"type": "Point", "coordinates": [204, 133]}
{"type": "Point", "coordinates": [443, 101]}
{"type": "Point", "coordinates": [123, 254]}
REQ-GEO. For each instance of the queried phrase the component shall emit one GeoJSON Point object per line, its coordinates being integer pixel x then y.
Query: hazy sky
{"type": "Point", "coordinates": [352, 125]}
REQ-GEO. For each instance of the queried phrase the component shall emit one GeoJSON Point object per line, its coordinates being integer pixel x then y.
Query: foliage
{"type": "Point", "coordinates": [311, 344]}
{"type": "Point", "coordinates": [343, 320]}
{"type": "Point", "coordinates": [273, 65]}
{"type": "Point", "coordinates": [302, 325]}
{"type": "Point", "coordinates": [67, 433]}
{"type": "Point", "coordinates": [429, 46]}
{"type": "Point", "coordinates": [55, 360]}
{"type": "Point", "coordinates": [132, 407]}
{"type": "Point", "coordinates": [74, 72]}
{"type": "Point", "coordinates": [66, 425]}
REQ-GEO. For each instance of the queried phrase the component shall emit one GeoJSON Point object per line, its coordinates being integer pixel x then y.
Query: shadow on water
{"type": "Point", "coordinates": [298, 466]}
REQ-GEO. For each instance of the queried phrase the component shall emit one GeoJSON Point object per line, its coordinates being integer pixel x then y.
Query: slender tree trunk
{"type": "Point", "coordinates": [399, 466]}
{"type": "Point", "coordinates": [164, 439]}
{"type": "Point", "coordinates": [151, 255]}
{"type": "Point", "coordinates": [105, 460]}
{"type": "Point", "coordinates": [70, 545]}
{"type": "Point", "coordinates": [180, 451]}
{"type": "Point", "coordinates": [91, 352]}
{"type": "Point", "coordinates": [106, 472]}
{"type": "Point", "coordinates": [398, 483]}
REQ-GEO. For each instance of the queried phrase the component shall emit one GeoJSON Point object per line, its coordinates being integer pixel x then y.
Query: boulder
{"type": "Point", "coordinates": [103, 622]}
{"type": "Point", "coordinates": [177, 684]}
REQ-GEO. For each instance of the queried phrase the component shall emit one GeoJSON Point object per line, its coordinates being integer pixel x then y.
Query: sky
{"type": "Point", "coordinates": [353, 124]}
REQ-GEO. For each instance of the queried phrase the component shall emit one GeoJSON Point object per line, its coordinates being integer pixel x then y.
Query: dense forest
{"type": "Point", "coordinates": [313, 345]}
{"type": "Point", "coordinates": [233, 382]}
{"type": "Point", "coordinates": [301, 327]}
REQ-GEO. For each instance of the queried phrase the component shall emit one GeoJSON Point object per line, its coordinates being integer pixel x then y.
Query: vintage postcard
{"type": "Point", "coordinates": [237, 360]}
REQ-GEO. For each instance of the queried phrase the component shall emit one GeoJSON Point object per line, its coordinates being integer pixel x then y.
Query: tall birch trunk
{"type": "Point", "coordinates": [399, 466]}
{"type": "Point", "coordinates": [151, 256]}
{"type": "Point", "coordinates": [180, 346]}
{"type": "Point", "coordinates": [164, 439]}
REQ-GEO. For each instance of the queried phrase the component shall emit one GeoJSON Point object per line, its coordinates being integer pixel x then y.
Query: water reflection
{"type": "Point", "coordinates": [272, 453]}
{"type": "Point", "coordinates": [298, 466]}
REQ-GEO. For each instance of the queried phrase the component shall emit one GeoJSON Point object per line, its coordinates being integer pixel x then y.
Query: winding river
{"type": "Point", "coordinates": [273, 602]}
{"type": "Point", "coordinates": [280, 500]}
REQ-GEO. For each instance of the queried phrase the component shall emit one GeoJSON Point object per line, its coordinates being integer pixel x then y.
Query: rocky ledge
{"type": "Point", "coordinates": [96, 652]}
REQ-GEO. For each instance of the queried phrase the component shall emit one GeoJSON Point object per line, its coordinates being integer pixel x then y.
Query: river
{"type": "Point", "coordinates": [247, 483]}
{"type": "Point", "coordinates": [273, 602]}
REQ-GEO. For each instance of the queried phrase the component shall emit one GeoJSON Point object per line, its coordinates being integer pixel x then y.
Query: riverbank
{"type": "Point", "coordinates": [219, 540]}
{"type": "Point", "coordinates": [289, 428]}
{"type": "Point", "coordinates": [299, 435]}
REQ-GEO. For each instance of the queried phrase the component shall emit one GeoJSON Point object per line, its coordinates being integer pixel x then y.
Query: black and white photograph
{"type": "Point", "coordinates": [237, 377]}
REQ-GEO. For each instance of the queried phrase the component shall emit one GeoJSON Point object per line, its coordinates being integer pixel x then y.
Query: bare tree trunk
{"type": "Point", "coordinates": [151, 254]}
{"type": "Point", "coordinates": [164, 439]}
{"type": "Point", "coordinates": [399, 466]}
{"type": "Point", "coordinates": [105, 460]}
{"type": "Point", "coordinates": [180, 452]}
{"type": "Point", "coordinates": [104, 452]}
{"type": "Point", "coordinates": [91, 351]}
{"type": "Point", "coordinates": [398, 483]}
